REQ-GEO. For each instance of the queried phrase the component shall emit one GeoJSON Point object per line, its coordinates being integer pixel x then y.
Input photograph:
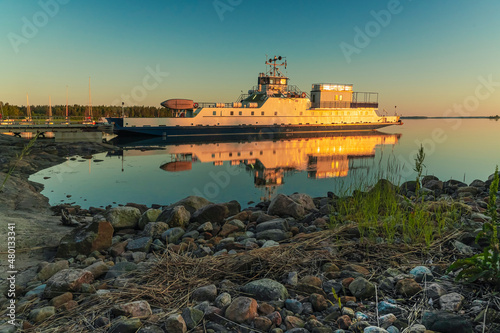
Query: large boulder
{"type": "Point", "coordinates": [191, 203]}
{"type": "Point", "coordinates": [67, 280]}
{"type": "Point", "coordinates": [283, 205]}
{"type": "Point", "coordinates": [97, 236]}
{"type": "Point", "coordinates": [242, 310]}
{"type": "Point", "coordinates": [123, 217]}
{"type": "Point", "coordinates": [211, 213]}
{"type": "Point", "coordinates": [50, 269]}
{"type": "Point", "coordinates": [178, 217]}
{"type": "Point", "coordinates": [445, 322]}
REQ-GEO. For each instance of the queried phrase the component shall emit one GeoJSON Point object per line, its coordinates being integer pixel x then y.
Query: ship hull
{"type": "Point", "coordinates": [222, 131]}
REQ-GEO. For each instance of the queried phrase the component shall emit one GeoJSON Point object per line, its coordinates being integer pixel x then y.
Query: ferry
{"type": "Point", "coordinates": [271, 107]}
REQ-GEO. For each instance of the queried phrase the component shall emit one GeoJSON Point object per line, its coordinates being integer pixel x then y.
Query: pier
{"type": "Point", "coordinates": [42, 126]}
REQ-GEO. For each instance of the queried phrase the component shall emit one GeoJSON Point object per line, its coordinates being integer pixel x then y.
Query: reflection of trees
{"type": "Point", "coordinates": [13, 111]}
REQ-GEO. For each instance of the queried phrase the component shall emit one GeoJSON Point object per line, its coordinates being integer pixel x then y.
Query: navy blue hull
{"type": "Point", "coordinates": [221, 131]}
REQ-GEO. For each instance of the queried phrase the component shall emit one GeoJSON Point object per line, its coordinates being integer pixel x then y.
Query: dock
{"type": "Point", "coordinates": [17, 126]}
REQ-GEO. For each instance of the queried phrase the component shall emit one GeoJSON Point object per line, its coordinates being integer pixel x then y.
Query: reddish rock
{"type": "Point", "coordinates": [345, 299]}
{"type": "Point", "coordinates": [118, 248]}
{"type": "Point", "coordinates": [408, 287]}
{"type": "Point", "coordinates": [85, 240]}
{"type": "Point", "coordinates": [70, 305]}
{"type": "Point", "coordinates": [67, 280]}
{"type": "Point", "coordinates": [294, 322]}
{"type": "Point", "coordinates": [275, 318]}
{"type": "Point", "coordinates": [228, 229]}
{"type": "Point", "coordinates": [242, 310]}
{"type": "Point", "coordinates": [58, 301]}
{"type": "Point", "coordinates": [347, 281]}
{"type": "Point", "coordinates": [265, 308]}
{"type": "Point", "coordinates": [356, 268]}
{"type": "Point", "coordinates": [344, 322]}
{"type": "Point", "coordinates": [319, 302]}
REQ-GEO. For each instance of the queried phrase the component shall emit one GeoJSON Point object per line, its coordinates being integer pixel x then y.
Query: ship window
{"type": "Point", "coordinates": [262, 113]}
{"type": "Point", "coordinates": [239, 154]}
{"type": "Point", "coordinates": [253, 113]}
{"type": "Point", "coordinates": [271, 81]}
{"type": "Point", "coordinates": [231, 113]}
{"type": "Point", "coordinates": [340, 97]}
{"type": "Point", "coordinates": [215, 113]}
{"type": "Point", "coordinates": [213, 155]}
{"type": "Point", "coordinates": [301, 113]}
{"type": "Point", "coordinates": [230, 154]}
{"type": "Point", "coordinates": [251, 153]}
{"type": "Point", "coordinates": [240, 113]}
{"type": "Point", "coordinates": [275, 113]}
{"type": "Point", "coordinates": [261, 152]}
{"type": "Point", "coordinates": [336, 97]}
{"type": "Point", "coordinates": [126, 124]}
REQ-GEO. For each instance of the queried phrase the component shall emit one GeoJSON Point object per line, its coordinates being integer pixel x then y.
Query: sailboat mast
{"type": "Point", "coordinates": [50, 108]}
{"type": "Point", "coordinates": [90, 102]}
{"type": "Point", "coordinates": [28, 112]}
{"type": "Point", "coordinates": [67, 103]}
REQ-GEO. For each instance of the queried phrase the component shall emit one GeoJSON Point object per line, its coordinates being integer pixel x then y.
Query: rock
{"type": "Point", "coordinates": [67, 280]}
{"type": "Point", "coordinates": [319, 302]}
{"type": "Point", "coordinates": [292, 322]}
{"type": "Point", "coordinates": [98, 269]}
{"type": "Point", "coordinates": [491, 316]}
{"type": "Point", "coordinates": [469, 190]}
{"type": "Point", "coordinates": [119, 269]}
{"type": "Point", "coordinates": [205, 293]}
{"type": "Point", "coordinates": [123, 217]}
{"type": "Point", "coordinates": [179, 217]}
{"type": "Point", "coordinates": [148, 216]}
{"type": "Point", "coordinates": [173, 235]}
{"type": "Point", "coordinates": [434, 185]}
{"type": "Point", "coordinates": [462, 248]}
{"type": "Point", "coordinates": [269, 243]}
{"type": "Point", "coordinates": [262, 323]}
{"type": "Point", "coordinates": [356, 268]}
{"type": "Point", "coordinates": [48, 270]}
{"type": "Point", "coordinates": [138, 309]}
{"type": "Point", "coordinates": [124, 325]}
{"type": "Point", "coordinates": [242, 310]}
{"type": "Point", "coordinates": [274, 235]}
{"type": "Point", "coordinates": [118, 248]}
{"type": "Point", "coordinates": [85, 240]}
{"type": "Point", "coordinates": [387, 320]}
{"type": "Point", "coordinates": [215, 213]}
{"type": "Point", "coordinates": [478, 183]}
{"type": "Point", "coordinates": [282, 205]}
{"type": "Point", "coordinates": [61, 299]}
{"type": "Point", "coordinates": [191, 203]}
{"type": "Point", "coordinates": [266, 290]}
{"type": "Point", "coordinates": [409, 186]}
{"type": "Point", "coordinates": [192, 317]}
{"type": "Point", "coordinates": [422, 273]}
{"type": "Point", "coordinates": [374, 329]}
{"type": "Point", "coordinates": [233, 207]}
{"type": "Point", "coordinates": [175, 323]}
{"type": "Point", "coordinates": [435, 291]}
{"type": "Point", "coordinates": [451, 302]}
{"type": "Point", "coordinates": [362, 288]}
{"type": "Point", "coordinates": [155, 229]}
{"type": "Point", "coordinates": [417, 328]}
{"type": "Point", "coordinates": [445, 322]}
{"type": "Point", "coordinates": [344, 322]}
{"type": "Point", "coordinates": [304, 200]}
{"type": "Point", "coordinates": [310, 284]}
{"type": "Point", "coordinates": [140, 244]}
{"type": "Point", "coordinates": [280, 224]}
{"type": "Point", "coordinates": [40, 314]}
{"type": "Point", "coordinates": [387, 307]}
{"type": "Point", "coordinates": [408, 287]}
{"type": "Point", "coordinates": [223, 300]}
{"type": "Point", "coordinates": [294, 305]}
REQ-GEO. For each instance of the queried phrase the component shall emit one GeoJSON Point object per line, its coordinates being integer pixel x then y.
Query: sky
{"type": "Point", "coordinates": [423, 57]}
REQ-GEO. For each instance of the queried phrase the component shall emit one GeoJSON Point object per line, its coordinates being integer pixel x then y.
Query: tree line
{"type": "Point", "coordinates": [75, 110]}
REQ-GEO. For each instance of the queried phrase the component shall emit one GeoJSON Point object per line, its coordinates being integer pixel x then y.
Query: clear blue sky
{"type": "Point", "coordinates": [425, 58]}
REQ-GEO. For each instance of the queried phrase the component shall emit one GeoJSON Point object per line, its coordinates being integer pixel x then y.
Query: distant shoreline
{"type": "Point", "coordinates": [435, 117]}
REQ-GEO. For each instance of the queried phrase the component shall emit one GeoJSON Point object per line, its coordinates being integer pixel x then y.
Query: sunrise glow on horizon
{"type": "Point", "coordinates": [425, 57]}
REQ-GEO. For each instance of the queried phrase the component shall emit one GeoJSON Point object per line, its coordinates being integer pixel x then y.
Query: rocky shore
{"type": "Point", "coordinates": [293, 264]}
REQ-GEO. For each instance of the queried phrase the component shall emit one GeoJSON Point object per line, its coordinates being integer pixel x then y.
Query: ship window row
{"type": "Point", "coordinates": [240, 113]}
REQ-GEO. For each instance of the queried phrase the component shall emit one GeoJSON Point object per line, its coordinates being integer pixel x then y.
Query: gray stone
{"type": "Point", "coordinates": [445, 322]}
{"type": "Point", "coordinates": [123, 217]}
{"type": "Point", "coordinates": [215, 213]}
{"type": "Point", "coordinates": [67, 280]}
{"type": "Point", "coordinates": [374, 329]}
{"type": "Point", "coordinates": [137, 309]}
{"type": "Point", "coordinates": [362, 288]}
{"type": "Point", "coordinates": [276, 235]}
{"type": "Point", "coordinates": [282, 205]}
{"type": "Point", "coordinates": [435, 291]}
{"type": "Point", "coordinates": [206, 227]}
{"type": "Point", "coordinates": [148, 216]}
{"type": "Point", "coordinates": [387, 320]}
{"type": "Point", "coordinates": [119, 269]}
{"type": "Point", "coordinates": [173, 235]}
{"type": "Point", "coordinates": [451, 302]}
{"type": "Point", "coordinates": [304, 200]}
{"type": "Point", "coordinates": [462, 248]}
{"type": "Point", "coordinates": [280, 224]}
{"type": "Point", "coordinates": [223, 300]}
{"type": "Point", "coordinates": [266, 290]}
{"type": "Point", "coordinates": [38, 291]}
{"type": "Point", "coordinates": [294, 305]}
{"type": "Point", "coordinates": [418, 328]}
{"type": "Point", "coordinates": [205, 293]}
{"type": "Point", "coordinates": [270, 243]}
{"type": "Point", "coordinates": [155, 229]}
{"type": "Point", "coordinates": [140, 244]}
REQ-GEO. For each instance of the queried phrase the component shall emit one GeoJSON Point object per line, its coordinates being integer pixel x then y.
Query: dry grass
{"type": "Point", "coordinates": [171, 280]}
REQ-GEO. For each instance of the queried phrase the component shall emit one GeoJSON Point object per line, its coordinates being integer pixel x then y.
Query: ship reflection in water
{"type": "Point", "coordinates": [270, 161]}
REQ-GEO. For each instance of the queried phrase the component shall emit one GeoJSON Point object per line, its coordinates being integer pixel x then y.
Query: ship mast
{"type": "Point", "coordinates": [50, 108]}
{"type": "Point", "coordinates": [90, 102]}
{"type": "Point", "coordinates": [67, 104]}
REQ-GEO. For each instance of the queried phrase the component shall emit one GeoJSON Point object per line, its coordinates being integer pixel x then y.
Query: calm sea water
{"type": "Point", "coordinates": [152, 172]}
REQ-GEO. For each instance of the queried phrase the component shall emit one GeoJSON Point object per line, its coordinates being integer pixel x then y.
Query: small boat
{"type": "Point", "coordinates": [271, 107]}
